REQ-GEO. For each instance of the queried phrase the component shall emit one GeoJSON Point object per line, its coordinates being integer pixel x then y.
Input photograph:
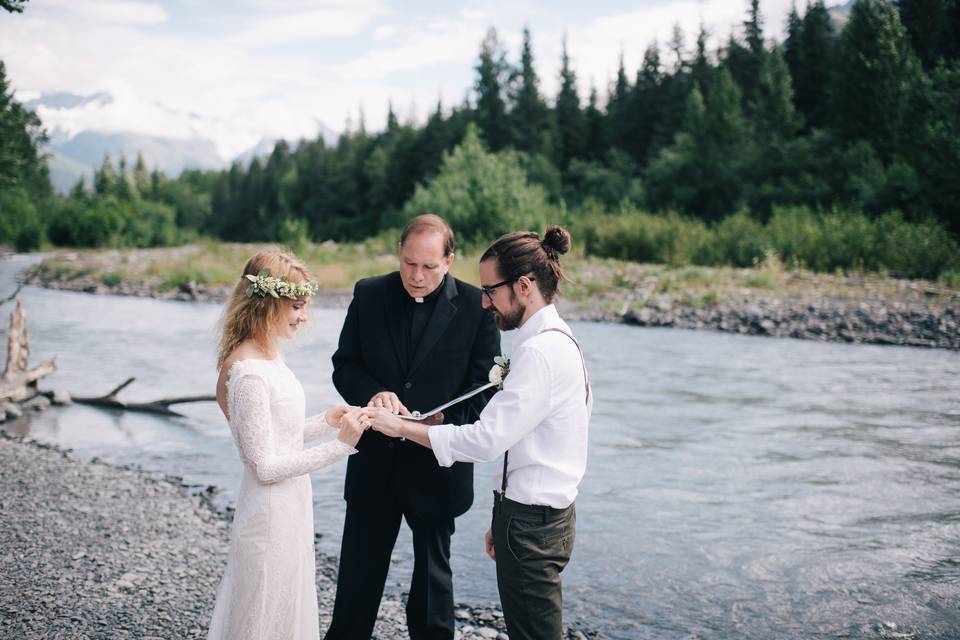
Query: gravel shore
{"type": "Point", "coordinates": [91, 550]}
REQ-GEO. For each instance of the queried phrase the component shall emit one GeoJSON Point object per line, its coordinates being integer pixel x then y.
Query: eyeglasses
{"type": "Point", "coordinates": [491, 289]}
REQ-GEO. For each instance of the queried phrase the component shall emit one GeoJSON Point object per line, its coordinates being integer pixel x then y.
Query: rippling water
{"type": "Point", "coordinates": [737, 486]}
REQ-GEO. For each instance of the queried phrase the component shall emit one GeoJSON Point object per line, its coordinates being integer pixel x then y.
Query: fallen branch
{"type": "Point", "coordinates": [18, 381]}
{"type": "Point", "coordinates": [12, 295]}
{"type": "Point", "coordinates": [161, 406]}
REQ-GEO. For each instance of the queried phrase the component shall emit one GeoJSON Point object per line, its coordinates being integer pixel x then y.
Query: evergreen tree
{"type": "Point", "coordinates": [924, 21]}
{"type": "Point", "coordinates": [124, 189]}
{"type": "Point", "coordinates": [815, 59]}
{"type": "Point", "coordinates": [775, 117]}
{"type": "Point", "coordinates": [596, 143]}
{"type": "Point", "coordinates": [491, 112]}
{"type": "Point", "coordinates": [619, 120]}
{"type": "Point", "coordinates": [744, 60]}
{"type": "Point", "coordinates": [702, 173]}
{"type": "Point", "coordinates": [791, 44]}
{"type": "Point", "coordinates": [876, 70]}
{"type": "Point", "coordinates": [571, 126]}
{"type": "Point", "coordinates": [13, 6]}
{"type": "Point", "coordinates": [701, 71]}
{"type": "Point", "coordinates": [933, 144]}
{"type": "Point", "coordinates": [529, 116]}
{"type": "Point", "coordinates": [141, 179]}
{"type": "Point", "coordinates": [774, 174]}
{"type": "Point", "coordinates": [949, 42]}
{"type": "Point", "coordinates": [22, 163]}
{"type": "Point", "coordinates": [678, 47]}
{"type": "Point", "coordinates": [645, 127]}
{"type": "Point", "coordinates": [105, 178]}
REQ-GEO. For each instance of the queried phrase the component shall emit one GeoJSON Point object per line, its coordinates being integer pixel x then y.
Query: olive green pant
{"type": "Point", "coordinates": [532, 545]}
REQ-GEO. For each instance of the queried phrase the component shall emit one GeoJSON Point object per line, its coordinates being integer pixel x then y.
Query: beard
{"type": "Point", "coordinates": [511, 319]}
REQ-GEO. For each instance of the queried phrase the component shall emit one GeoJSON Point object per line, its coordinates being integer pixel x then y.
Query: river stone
{"type": "Point", "coordinates": [12, 410]}
{"type": "Point", "coordinates": [39, 403]}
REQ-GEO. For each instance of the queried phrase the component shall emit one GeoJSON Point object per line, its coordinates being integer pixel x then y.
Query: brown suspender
{"type": "Point", "coordinates": [586, 389]}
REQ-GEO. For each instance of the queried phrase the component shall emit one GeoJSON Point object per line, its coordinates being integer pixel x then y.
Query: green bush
{"type": "Point", "coordinates": [738, 240]}
{"type": "Point", "coordinates": [915, 250]}
{"type": "Point", "coordinates": [294, 233]}
{"type": "Point", "coordinates": [480, 194]}
{"type": "Point", "coordinates": [644, 237]}
{"type": "Point", "coordinates": [831, 241]}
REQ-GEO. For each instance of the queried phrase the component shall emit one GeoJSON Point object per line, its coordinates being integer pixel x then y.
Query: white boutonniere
{"type": "Point", "coordinates": [498, 373]}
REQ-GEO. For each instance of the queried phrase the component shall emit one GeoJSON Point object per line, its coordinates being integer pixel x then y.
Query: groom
{"type": "Point", "coordinates": [411, 340]}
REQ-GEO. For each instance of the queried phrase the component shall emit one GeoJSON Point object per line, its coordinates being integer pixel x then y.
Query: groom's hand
{"type": "Point", "coordinates": [384, 421]}
{"type": "Point", "coordinates": [488, 543]}
{"type": "Point", "coordinates": [388, 400]}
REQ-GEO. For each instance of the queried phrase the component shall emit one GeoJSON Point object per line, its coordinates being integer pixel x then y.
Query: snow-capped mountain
{"type": "Point", "coordinates": [85, 129]}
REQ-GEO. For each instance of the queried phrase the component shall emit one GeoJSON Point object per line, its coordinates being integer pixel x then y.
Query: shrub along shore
{"type": "Point", "coordinates": [766, 299]}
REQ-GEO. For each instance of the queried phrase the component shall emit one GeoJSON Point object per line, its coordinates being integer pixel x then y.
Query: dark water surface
{"type": "Point", "coordinates": [737, 487]}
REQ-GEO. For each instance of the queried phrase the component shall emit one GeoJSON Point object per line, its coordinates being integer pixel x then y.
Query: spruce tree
{"type": "Point", "coordinates": [529, 113]}
{"type": "Point", "coordinates": [815, 54]}
{"type": "Point", "coordinates": [596, 142]}
{"type": "Point", "coordinates": [877, 68]}
{"type": "Point", "coordinates": [924, 21]}
{"type": "Point", "coordinates": [571, 126]}
{"type": "Point", "coordinates": [791, 44]}
{"type": "Point", "coordinates": [491, 112]}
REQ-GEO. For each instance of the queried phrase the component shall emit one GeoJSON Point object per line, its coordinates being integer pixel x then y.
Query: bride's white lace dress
{"type": "Point", "coordinates": [269, 588]}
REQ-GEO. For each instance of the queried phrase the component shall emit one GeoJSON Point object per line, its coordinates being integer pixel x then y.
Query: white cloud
{"type": "Point", "coordinates": [335, 20]}
{"type": "Point", "coordinates": [128, 12]}
{"type": "Point", "coordinates": [427, 49]}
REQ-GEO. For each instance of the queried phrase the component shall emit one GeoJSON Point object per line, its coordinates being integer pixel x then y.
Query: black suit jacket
{"type": "Point", "coordinates": [454, 355]}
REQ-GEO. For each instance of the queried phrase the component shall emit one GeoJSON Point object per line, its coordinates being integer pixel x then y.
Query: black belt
{"type": "Point", "coordinates": [542, 512]}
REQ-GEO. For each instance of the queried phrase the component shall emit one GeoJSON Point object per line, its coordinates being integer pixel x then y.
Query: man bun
{"type": "Point", "coordinates": [556, 241]}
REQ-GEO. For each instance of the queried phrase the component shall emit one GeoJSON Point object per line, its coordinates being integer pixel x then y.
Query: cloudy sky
{"type": "Point", "coordinates": [275, 68]}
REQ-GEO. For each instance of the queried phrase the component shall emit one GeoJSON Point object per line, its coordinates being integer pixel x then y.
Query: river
{"type": "Point", "coordinates": [736, 487]}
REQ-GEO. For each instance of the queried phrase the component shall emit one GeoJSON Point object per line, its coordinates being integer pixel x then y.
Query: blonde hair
{"type": "Point", "coordinates": [255, 317]}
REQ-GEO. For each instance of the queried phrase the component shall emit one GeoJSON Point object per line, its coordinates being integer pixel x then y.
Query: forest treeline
{"type": "Point", "coordinates": [836, 147]}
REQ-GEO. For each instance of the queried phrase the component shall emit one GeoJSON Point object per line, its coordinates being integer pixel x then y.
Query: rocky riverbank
{"type": "Point", "coordinates": [825, 319]}
{"type": "Point", "coordinates": [91, 550]}
{"type": "Point", "coordinates": [768, 300]}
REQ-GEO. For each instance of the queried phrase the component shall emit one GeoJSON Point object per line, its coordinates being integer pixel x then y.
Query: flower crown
{"type": "Point", "coordinates": [263, 285]}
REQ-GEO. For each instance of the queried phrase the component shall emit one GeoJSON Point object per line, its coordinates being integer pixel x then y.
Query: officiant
{"type": "Point", "coordinates": [411, 340]}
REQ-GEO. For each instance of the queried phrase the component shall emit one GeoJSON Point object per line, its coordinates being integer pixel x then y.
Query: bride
{"type": "Point", "coordinates": [269, 588]}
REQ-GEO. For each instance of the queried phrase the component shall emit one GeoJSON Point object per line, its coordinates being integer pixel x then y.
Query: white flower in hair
{"type": "Point", "coordinates": [263, 285]}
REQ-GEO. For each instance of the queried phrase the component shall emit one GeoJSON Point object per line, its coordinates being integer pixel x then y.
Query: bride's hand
{"type": "Point", "coordinates": [334, 414]}
{"type": "Point", "coordinates": [352, 425]}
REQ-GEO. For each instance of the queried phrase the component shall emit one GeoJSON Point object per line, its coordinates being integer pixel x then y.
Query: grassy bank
{"type": "Point", "coordinates": [610, 284]}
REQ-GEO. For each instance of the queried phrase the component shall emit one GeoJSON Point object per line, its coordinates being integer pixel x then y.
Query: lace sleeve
{"type": "Point", "coordinates": [248, 399]}
{"type": "Point", "coordinates": [316, 427]}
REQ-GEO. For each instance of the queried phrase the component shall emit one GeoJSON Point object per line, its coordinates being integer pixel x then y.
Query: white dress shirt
{"type": "Point", "coordinates": [541, 416]}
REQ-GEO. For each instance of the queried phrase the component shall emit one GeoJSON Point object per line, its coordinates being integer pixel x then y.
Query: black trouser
{"type": "Point", "coordinates": [532, 545]}
{"type": "Point", "coordinates": [369, 534]}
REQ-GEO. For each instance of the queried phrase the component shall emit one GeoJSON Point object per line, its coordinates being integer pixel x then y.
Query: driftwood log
{"type": "Point", "coordinates": [161, 406]}
{"type": "Point", "coordinates": [19, 382]}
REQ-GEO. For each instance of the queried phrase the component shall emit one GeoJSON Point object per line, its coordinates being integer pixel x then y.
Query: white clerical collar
{"type": "Point", "coordinates": [418, 300]}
